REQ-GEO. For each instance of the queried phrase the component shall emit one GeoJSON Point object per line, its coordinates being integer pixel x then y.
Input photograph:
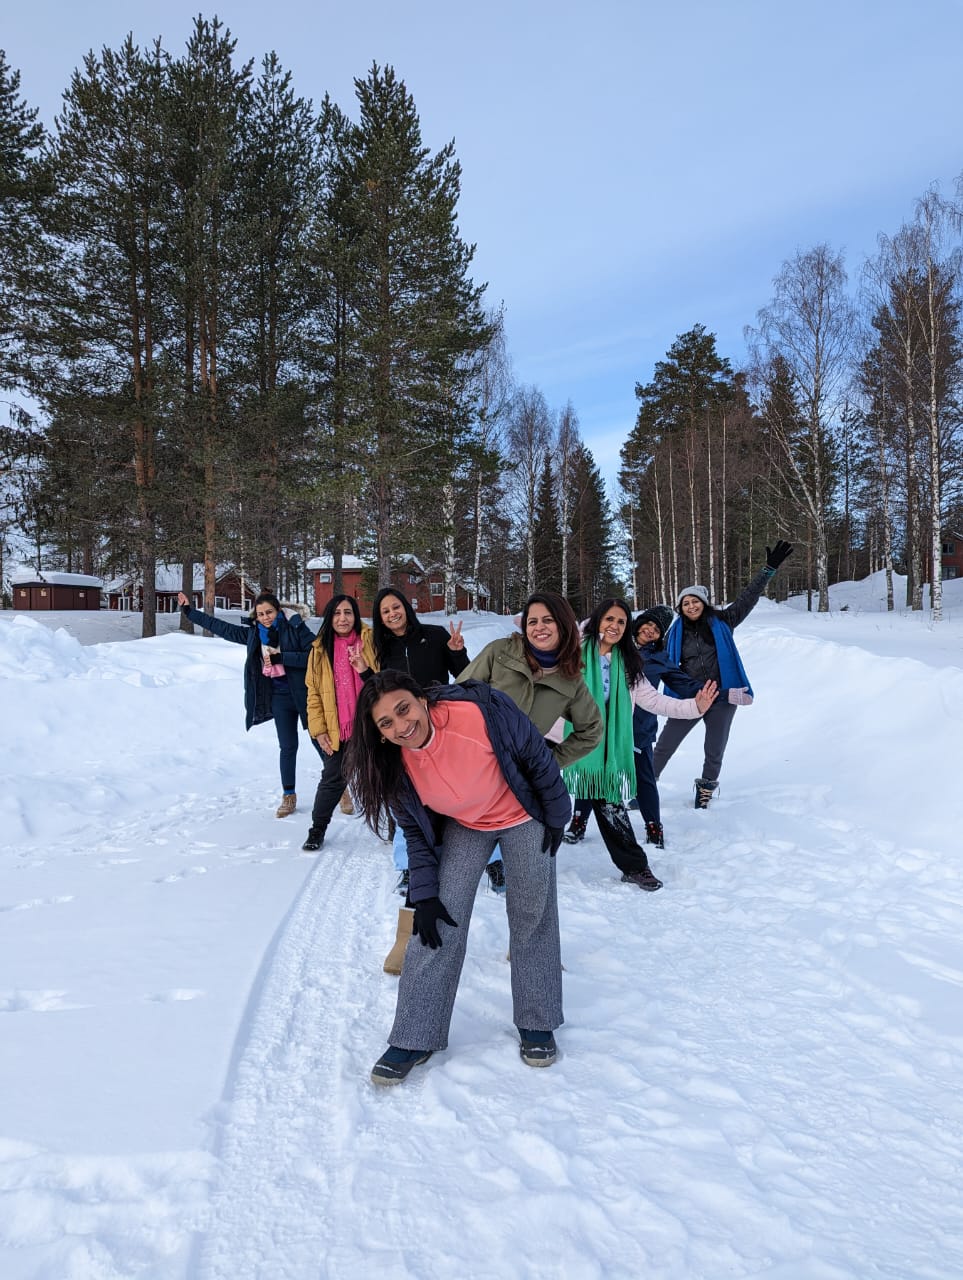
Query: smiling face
{"type": "Point", "coordinates": [393, 615]}
{"type": "Point", "coordinates": [692, 608]}
{"type": "Point", "coordinates": [402, 718]}
{"type": "Point", "coordinates": [343, 619]}
{"type": "Point", "coordinates": [265, 613]}
{"type": "Point", "coordinates": [612, 626]}
{"type": "Point", "coordinates": [647, 632]}
{"type": "Point", "coordinates": [541, 629]}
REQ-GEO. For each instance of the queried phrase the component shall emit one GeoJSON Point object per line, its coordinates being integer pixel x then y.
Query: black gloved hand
{"type": "Point", "coordinates": [775, 557]}
{"type": "Point", "coordinates": [551, 840]}
{"type": "Point", "coordinates": [427, 914]}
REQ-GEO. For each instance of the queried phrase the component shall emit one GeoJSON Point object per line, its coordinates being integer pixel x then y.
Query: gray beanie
{"type": "Point", "coordinates": [700, 592]}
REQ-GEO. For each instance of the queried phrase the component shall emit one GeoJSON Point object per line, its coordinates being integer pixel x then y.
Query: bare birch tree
{"type": "Point", "coordinates": [810, 326]}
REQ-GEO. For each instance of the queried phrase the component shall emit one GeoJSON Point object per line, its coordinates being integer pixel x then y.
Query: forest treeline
{"type": "Point", "coordinates": [247, 331]}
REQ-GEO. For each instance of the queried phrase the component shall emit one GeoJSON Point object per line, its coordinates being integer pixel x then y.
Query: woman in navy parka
{"type": "Point", "coordinates": [278, 645]}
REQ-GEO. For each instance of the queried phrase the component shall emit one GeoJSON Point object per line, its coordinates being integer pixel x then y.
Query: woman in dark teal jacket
{"type": "Point", "coordinates": [277, 655]}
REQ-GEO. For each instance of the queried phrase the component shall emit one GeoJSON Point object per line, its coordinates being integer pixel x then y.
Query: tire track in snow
{"type": "Point", "coordinates": [282, 1185]}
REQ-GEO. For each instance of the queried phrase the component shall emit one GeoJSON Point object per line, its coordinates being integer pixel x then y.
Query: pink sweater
{"type": "Point", "coordinates": [457, 773]}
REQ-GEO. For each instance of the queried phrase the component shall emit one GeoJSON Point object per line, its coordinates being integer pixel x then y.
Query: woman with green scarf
{"type": "Point", "coordinates": [604, 778]}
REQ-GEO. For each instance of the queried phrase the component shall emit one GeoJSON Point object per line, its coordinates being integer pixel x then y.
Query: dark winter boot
{"type": "Point", "coordinates": [315, 840]}
{"type": "Point", "coordinates": [703, 792]}
{"type": "Point", "coordinates": [643, 880]}
{"type": "Point", "coordinates": [653, 834]}
{"type": "Point", "coordinates": [496, 875]}
{"type": "Point", "coordinates": [576, 831]}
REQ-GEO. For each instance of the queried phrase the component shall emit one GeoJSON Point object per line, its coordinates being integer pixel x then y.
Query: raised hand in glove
{"type": "Point", "coordinates": [551, 840]}
{"type": "Point", "coordinates": [778, 553]}
{"type": "Point", "coordinates": [427, 914]}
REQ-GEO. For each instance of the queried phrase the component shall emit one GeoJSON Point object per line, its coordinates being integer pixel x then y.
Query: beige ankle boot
{"type": "Point", "coordinates": [347, 804]}
{"type": "Point", "coordinates": [287, 806]}
{"type": "Point", "coordinates": [396, 956]}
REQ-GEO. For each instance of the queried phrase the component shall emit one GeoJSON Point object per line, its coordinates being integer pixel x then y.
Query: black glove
{"type": "Point", "coordinates": [775, 557]}
{"type": "Point", "coordinates": [551, 840]}
{"type": "Point", "coordinates": [427, 915]}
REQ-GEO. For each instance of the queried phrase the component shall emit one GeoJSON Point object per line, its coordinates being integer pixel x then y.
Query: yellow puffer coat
{"type": "Point", "coordinates": [322, 706]}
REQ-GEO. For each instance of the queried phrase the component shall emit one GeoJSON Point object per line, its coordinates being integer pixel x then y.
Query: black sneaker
{"type": "Point", "coordinates": [393, 1066]}
{"type": "Point", "coordinates": [644, 880]}
{"type": "Point", "coordinates": [402, 885]}
{"type": "Point", "coordinates": [537, 1048]}
{"type": "Point", "coordinates": [314, 841]}
{"type": "Point", "coordinates": [496, 875]}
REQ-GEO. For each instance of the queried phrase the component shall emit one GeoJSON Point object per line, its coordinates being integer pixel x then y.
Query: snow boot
{"type": "Point", "coordinates": [496, 875]}
{"type": "Point", "coordinates": [396, 956]}
{"type": "Point", "coordinates": [703, 792]}
{"type": "Point", "coordinates": [576, 831]}
{"type": "Point", "coordinates": [654, 835]}
{"type": "Point", "coordinates": [289, 802]}
{"type": "Point", "coordinates": [537, 1048]}
{"type": "Point", "coordinates": [392, 1067]}
{"type": "Point", "coordinates": [315, 839]}
{"type": "Point", "coordinates": [643, 879]}
{"type": "Point", "coordinates": [347, 804]}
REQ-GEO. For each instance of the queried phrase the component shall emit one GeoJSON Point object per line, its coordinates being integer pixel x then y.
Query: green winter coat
{"type": "Point", "coordinates": [545, 699]}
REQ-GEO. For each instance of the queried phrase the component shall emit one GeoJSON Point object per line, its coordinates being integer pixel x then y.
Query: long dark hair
{"type": "Point", "coordinates": [630, 655]}
{"type": "Point", "coordinates": [382, 636]}
{"type": "Point", "coordinates": [569, 641]}
{"type": "Point", "coordinates": [373, 768]}
{"type": "Point", "coordinates": [327, 633]}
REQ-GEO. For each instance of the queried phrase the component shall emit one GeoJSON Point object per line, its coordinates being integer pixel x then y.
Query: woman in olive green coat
{"type": "Point", "coordinates": [541, 671]}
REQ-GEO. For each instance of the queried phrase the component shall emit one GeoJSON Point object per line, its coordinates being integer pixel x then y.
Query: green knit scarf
{"type": "Point", "coordinates": [608, 772]}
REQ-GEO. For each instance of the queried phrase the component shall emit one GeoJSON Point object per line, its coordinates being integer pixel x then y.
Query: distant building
{"type": "Point", "coordinates": [232, 590]}
{"type": "Point", "coordinates": [425, 588]}
{"type": "Point", "coordinates": [952, 557]}
{"type": "Point", "coordinates": [51, 590]}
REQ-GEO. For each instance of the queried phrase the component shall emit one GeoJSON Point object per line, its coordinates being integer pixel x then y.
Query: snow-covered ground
{"type": "Point", "coordinates": [760, 1069]}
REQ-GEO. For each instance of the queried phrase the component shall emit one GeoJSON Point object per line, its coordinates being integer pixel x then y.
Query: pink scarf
{"type": "Point", "coordinates": [347, 684]}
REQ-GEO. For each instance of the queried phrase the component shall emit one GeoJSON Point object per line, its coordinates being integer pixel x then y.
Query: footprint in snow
{"type": "Point", "coordinates": [181, 875]}
{"type": "Point", "coordinates": [38, 902]}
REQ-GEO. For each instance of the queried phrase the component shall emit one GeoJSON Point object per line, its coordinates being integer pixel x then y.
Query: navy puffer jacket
{"type": "Point", "coordinates": [296, 639]}
{"type": "Point", "coordinates": [526, 761]}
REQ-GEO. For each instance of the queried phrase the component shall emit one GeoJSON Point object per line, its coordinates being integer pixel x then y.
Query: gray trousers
{"type": "Point", "coordinates": [429, 979]}
{"type": "Point", "coordinates": [717, 721]}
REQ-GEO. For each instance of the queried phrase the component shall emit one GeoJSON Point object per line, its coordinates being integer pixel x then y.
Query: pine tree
{"type": "Point", "coordinates": [547, 538]}
{"type": "Point", "coordinates": [110, 162]}
{"type": "Point", "coordinates": [591, 536]}
{"type": "Point", "coordinates": [24, 253]}
{"type": "Point", "coordinates": [417, 313]}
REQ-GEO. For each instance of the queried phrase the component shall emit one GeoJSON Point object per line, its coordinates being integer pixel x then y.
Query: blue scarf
{"type": "Point", "coordinates": [731, 671]}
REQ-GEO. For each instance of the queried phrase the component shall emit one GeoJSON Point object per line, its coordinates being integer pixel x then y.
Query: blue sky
{"type": "Point", "coordinates": [630, 169]}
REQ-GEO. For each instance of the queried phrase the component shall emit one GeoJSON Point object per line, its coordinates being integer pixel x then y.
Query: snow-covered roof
{"type": "Point", "coordinates": [347, 562]}
{"type": "Point", "coordinates": [356, 562]}
{"type": "Point", "coordinates": [169, 578]}
{"type": "Point", "coordinates": [54, 579]}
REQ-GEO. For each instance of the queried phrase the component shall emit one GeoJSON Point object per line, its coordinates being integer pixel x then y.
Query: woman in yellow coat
{"type": "Point", "coordinates": [342, 653]}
